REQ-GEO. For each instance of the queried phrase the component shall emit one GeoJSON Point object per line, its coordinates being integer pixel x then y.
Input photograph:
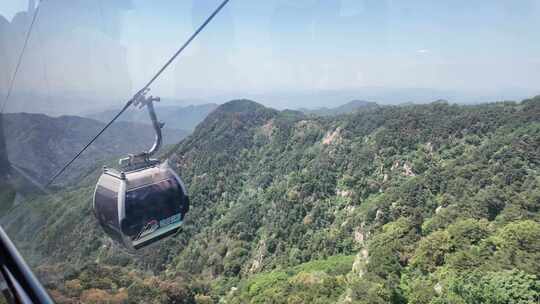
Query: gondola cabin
{"type": "Point", "coordinates": [139, 207]}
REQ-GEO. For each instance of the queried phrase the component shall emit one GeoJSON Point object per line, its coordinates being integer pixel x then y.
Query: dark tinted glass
{"type": "Point", "coordinates": [106, 209]}
{"type": "Point", "coordinates": [106, 203]}
{"type": "Point", "coordinates": [151, 203]}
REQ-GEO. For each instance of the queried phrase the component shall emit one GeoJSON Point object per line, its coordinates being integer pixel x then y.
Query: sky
{"type": "Point", "coordinates": [276, 48]}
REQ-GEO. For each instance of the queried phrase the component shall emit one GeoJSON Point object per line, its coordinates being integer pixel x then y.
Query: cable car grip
{"type": "Point", "coordinates": [134, 161]}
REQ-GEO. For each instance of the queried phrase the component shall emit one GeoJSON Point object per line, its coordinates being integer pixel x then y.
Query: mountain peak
{"type": "Point", "coordinates": [230, 127]}
{"type": "Point", "coordinates": [236, 113]}
{"type": "Point", "coordinates": [240, 106]}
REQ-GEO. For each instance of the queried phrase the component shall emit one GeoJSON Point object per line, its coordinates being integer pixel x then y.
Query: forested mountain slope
{"type": "Point", "coordinates": [431, 203]}
{"type": "Point", "coordinates": [6, 192]}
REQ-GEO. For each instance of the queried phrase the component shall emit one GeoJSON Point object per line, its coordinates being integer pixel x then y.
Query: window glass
{"type": "Point", "coordinates": [150, 204]}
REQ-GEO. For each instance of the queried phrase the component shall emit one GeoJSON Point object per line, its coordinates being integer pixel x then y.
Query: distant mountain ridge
{"type": "Point", "coordinates": [40, 144]}
{"type": "Point", "coordinates": [350, 107]}
{"type": "Point", "coordinates": [176, 117]}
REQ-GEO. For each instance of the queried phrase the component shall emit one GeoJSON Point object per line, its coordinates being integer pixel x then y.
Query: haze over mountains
{"type": "Point", "coordinates": [176, 117]}
{"type": "Point", "coordinates": [112, 49]}
{"type": "Point", "coordinates": [331, 98]}
{"type": "Point", "coordinates": [37, 144]}
{"type": "Point", "coordinates": [349, 107]}
{"type": "Point", "coordinates": [40, 145]}
{"type": "Point", "coordinates": [188, 117]}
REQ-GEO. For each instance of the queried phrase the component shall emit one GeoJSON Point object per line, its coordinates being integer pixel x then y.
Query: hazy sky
{"type": "Point", "coordinates": [287, 45]}
{"type": "Point", "coordinates": [484, 47]}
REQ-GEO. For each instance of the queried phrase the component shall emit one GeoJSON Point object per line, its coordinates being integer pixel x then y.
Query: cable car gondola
{"type": "Point", "coordinates": [145, 200]}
